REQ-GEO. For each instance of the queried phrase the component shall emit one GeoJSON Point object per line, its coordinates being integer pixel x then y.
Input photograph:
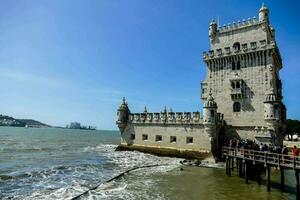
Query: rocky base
{"type": "Point", "coordinates": [188, 154]}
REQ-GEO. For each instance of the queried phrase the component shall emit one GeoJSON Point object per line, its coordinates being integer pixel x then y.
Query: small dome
{"type": "Point", "coordinates": [270, 96]}
{"type": "Point", "coordinates": [210, 103]}
{"type": "Point", "coordinates": [263, 8]}
{"type": "Point", "coordinates": [124, 105]}
{"type": "Point", "coordinates": [212, 22]}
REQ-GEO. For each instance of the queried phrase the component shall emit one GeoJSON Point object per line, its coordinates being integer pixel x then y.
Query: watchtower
{"type": "Point", "coordinates": [242, 68]}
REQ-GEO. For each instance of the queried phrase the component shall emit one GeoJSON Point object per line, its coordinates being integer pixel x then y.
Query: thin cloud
{"type": "Point", "coordinates": [21, 76]}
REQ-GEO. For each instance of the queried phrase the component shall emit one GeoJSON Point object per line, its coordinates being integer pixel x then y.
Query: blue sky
{"type": "Point", "coordinates": [63, 61]}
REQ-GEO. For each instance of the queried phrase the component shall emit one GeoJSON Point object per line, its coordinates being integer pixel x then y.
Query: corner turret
{"type": "Point", "coordinates": [271, 108]}
{"type": "Point", "coordinates": [270, 105]}
{"type": "Point", "coordinates": [123, 115]}
{"type": "Point", "coordinates": [210, 122]}
{"type": "Point", "coordinates": [210, 110]}
{"type": "Point", "coordinates": [263, 14]}
{"type": "Point", "coordinates": [213, 27]}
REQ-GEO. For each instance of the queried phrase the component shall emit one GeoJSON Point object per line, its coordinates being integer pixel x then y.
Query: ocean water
{"type": "Point", "coordinates": [61, 164]}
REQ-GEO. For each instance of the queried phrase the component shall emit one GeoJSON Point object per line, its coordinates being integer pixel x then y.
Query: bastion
{"type": "Point", "coordinates": [242, 96]}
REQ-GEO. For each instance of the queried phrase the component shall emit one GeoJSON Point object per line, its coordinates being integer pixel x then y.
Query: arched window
{"type": "Point", "coordinates": [233, 85]}
{"type": "Point", "coordinates": [236, 107]}
{"type": "Point", "coordinates": [236, 46]}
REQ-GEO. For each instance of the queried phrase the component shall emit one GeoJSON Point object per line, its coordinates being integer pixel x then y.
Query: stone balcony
{"type": "Point", "coordinates": [236, 93]}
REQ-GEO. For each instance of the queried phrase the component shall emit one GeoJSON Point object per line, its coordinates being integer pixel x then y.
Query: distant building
{"type": "Point", "coordinates": [75, 125]}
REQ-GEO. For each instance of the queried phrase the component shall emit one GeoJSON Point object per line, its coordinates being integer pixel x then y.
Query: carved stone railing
{"type": "Point", "coordinates": [166, 118]}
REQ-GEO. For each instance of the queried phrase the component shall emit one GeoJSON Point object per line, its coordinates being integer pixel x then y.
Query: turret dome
{"type": "Point", "coordinates": [124, 105]}
{"type": "Point", "coordinates": [263, 14]}
{"type": "Point", "coordinates": [213, 22]}
{"type": "Point", "coordinates": [263, 8]}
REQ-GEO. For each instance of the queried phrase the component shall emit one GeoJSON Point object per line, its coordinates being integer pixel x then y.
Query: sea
{"type": "Point", "coordinates": [54, 163]}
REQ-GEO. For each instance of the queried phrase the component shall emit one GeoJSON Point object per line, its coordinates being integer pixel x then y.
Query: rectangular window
{"type": "Point", "coordinates": [158, 138]}
{"type": "Point", "coordinates": [244, 47]}
{"type": "Point", "coordinates": [145, 137]}
{"type": "Point", "coordinates": [233, 65]}
{"type": "Point", "coordinates": [227, 50]}
{"type": "Point", "coordinates": [238, 65]}
{"type": "Point", "coordinates": [189, 140]}
{"type": "Point", "coordinates": [263, 43]}
{"type": "Point", "coordinates": [219, 52]}
{"type": "Point", "coordinates": [132, 136]}
{"type": "Point", "coordinates": [253, 45]}
{"type": "Point", "coordinates": [173, 139]}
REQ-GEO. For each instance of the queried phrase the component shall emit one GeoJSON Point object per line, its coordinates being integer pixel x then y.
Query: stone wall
{"type": "Point", "coordinates": [257, 134]}
{"type": "Point", "coordinates": [190, 138]}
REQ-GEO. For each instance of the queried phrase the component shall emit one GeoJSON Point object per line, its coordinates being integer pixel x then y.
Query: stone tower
{"type": "Point", "coordinates": [242, 73]}
{"type": "Point", "coordinates": [123, 115]}
{"type": "Point", "coordinates": [210, 121]}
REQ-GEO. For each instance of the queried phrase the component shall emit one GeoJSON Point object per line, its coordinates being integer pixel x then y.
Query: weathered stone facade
{"type": "Point", "coordinates": [243, 77]}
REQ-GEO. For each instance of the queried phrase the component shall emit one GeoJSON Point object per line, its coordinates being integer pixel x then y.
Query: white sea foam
{"type": "Point", "coordinates": [66, 182]}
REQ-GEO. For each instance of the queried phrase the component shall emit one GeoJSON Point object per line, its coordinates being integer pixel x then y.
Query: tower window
{"type": "Point", "coordinates": [244, 46]}
{"type": "Point", "coordinates": [238, 65]}
{"type": "Point", "coordinates": [236, 107]}
{"type": "Point", "coordinates": [233, 85]}
{"type": "Point", "coordinates": [263, 43]}
{"type": "Point", "coordinates": [227, 50]}
{"type": "Point", "coordinates": [173, 139]}
{"type": "Point", "coordinates": [132, 136]}
{"type": "Point", "coordinates": [238, 85]}
{"type": "Point", "coordinates": [233, 65]}
{"type": "Point", "coordinates": [158, 138]}
{"type": "Point", "coordinates": [236, 46]}
{"type": "Point", "coordinates": [253, 45]}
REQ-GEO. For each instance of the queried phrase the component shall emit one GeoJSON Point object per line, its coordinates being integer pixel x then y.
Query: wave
{"type": "Point", "coordinates": [65, 181]}
{"type": "Point", "coordinates": [101, 147]}
{"type": "Point", "coordinates": [27, 149]}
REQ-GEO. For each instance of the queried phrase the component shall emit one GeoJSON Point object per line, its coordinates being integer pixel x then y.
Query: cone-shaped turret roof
{"type": "Point", "coordinates": [124, 105]}
{"type": "Point", "coordinates": [263, 8]}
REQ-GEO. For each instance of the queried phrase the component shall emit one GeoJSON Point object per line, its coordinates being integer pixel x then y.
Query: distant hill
{"type": "Point", "coordinates": [33, 123]}
{"type": "Point", "coordinates": [10, 121]}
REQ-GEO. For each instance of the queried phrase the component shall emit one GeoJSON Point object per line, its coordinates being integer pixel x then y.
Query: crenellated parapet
{"type": "Point", "coordinates": [250, 49]}
{"type": "Point", "coordinates": [166, 118]}
{"type": "Point", "coordinates": [240, 24]}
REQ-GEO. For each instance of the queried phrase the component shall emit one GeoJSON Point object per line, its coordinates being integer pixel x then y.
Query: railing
{"type": "Point", "coordinates": [280, 160]}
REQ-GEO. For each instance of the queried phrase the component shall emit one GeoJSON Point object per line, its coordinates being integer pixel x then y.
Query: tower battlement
{"type": "Point", "coordinates": [240, 24]}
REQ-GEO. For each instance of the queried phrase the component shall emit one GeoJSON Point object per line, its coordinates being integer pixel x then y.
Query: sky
{"type": "Point", "coordinates": [73, 60]}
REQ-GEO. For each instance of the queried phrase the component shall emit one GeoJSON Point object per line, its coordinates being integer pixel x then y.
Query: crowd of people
{"type": "Point", "coordinates": [251, 145]}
